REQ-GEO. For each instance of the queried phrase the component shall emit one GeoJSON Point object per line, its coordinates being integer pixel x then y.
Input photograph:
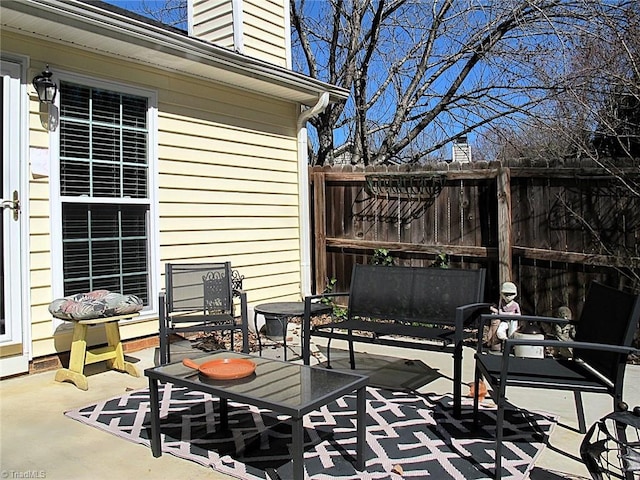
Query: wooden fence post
{"type": "Point", "coordinates": [320, 229]}
{"type": "Point", "coordinates": [505, 238]}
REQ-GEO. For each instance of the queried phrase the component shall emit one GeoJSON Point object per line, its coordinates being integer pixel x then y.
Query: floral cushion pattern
{"type": "Point", "coordinates": [96, 304]}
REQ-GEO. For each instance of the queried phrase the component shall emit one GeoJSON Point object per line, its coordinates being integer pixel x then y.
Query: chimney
{"type": "Point", "coordinates": [258, 29]}
{"type": "Point", "coordinates": [461, 151]}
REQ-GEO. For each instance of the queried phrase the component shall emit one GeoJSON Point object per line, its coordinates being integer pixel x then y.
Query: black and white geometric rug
{"type": "Point", "coordinates": [408, 436]}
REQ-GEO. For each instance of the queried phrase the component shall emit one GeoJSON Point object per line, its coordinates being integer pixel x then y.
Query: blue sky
{"type": "Point", "coordinates": [136, 6]}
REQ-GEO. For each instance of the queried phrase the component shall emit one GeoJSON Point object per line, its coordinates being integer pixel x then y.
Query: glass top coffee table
{"type": "Point", "coordinates": [283, 387]}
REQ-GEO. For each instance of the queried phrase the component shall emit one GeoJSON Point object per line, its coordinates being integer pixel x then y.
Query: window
{"type": "Point", "coordinates": [104, 190]}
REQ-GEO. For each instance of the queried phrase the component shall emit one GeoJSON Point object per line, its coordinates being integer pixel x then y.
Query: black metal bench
{"type": "Point", "coordinates": [412, 307]}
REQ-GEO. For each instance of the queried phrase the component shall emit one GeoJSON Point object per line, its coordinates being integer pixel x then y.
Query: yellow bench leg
{"type": "Point", "coordinates": [113, 353]}
{"type": "Point", "coordinates": [75, 372]}
{"type": "Point", "coordinates": [118, 362]}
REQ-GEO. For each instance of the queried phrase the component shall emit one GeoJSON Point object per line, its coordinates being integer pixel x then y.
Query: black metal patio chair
{"type": "Point", "coordinates": [200, 298]}
{"type": "Point", "coordinates": [603, 339]}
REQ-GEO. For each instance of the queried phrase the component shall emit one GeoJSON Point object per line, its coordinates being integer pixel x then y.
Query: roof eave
{"type": "Point", "coordinates": [87, 26]}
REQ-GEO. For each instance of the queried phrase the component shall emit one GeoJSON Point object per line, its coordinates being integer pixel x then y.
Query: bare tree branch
{"type": "Point", "coordinates": [424, 73]}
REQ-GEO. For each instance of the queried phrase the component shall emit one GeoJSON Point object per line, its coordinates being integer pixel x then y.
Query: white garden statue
{"type": "Point", "coordinates": [500, 330]}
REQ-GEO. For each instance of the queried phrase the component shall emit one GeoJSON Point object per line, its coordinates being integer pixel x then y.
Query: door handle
{"type": "Point", "coordinates": [13, 205]}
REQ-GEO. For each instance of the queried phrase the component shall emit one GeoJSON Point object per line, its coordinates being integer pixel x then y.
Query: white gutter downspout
{"type": "Point", "coordinates": [303, 181]}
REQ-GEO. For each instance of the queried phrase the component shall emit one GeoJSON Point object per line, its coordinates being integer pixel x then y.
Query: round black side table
{"type": "Point", "coordinates": [282, 312]}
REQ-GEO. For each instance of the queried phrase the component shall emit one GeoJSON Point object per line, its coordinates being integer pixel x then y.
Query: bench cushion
{"type": "Point", "coordinates": [95, 304]}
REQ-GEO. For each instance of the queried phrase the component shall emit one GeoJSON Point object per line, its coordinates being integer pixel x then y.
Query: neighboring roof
{"type": "Point", "coordinates": [112, 31]}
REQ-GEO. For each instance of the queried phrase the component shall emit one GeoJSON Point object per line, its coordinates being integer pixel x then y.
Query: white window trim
{"type": "Point", "coordinates": [57, 280]}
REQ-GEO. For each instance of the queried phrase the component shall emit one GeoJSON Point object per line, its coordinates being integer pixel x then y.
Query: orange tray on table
{"type": "Point", "coordinates": [223, 368]}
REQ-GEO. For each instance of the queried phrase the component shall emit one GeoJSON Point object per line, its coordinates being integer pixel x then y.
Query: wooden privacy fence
{"type": "Point", "coordinates": [549, 229]}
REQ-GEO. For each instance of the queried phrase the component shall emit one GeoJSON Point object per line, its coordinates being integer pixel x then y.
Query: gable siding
{"type": "Point", "coordinates": [261, 25]}
{"type": "Point", "coordinates": [213, 21]}
{"type": "Point", "coordinates": [227, 184]}
{"type": "Point", "coordinates": [264, 30]}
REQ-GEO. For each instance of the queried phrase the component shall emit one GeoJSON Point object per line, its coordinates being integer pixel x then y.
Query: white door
{"type": "Point", "coordinates": [14, 351]}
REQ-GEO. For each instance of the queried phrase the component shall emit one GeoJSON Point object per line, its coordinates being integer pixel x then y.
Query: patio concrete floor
{"type": "Point", "coordinates": [38, 441]}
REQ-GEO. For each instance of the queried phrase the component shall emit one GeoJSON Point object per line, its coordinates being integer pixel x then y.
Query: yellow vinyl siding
{"type": "Point", "coordinates": [261, 26]}
{"type": "Point", "coordinates": [221, 191]}
{"type": "Point", "coordinates": [265, 14]}
{"type": "Point", "coordinates": [40, 251]}
{"type": "Point", "coordinates": [222, 107]}
{"type": "Point", "coordinates": [40, 248]}
{"type": "Point", "coordinates": [232, 211]}
{"type": "Point", "coordinates": [249, 164]}
{"type": "Point", "coordinates": [228, 187]}
{"type": "Point", "coordinates": [40, 278]}
{"type": "Point", "coordinates": [222, 35]}
{"type": "Point", "coordinates": [37, 136]}
{"type": "Point", "coordinates": [206, 144]}
{"type": "Point", "coordinates": [260, 42]}
{"type": "Point", "coordinates": [264, 30]}
{"type": "Point", "coordinates": [255, 52]}
{"type": "Point", "coordinates": [235, 250]}
{"type": "Point", "coordinates": [38, 208]}
{"type": "Point", "coordinates": [227, 179]}
{"type": "Point", "coordinates": [222, 235]}
{"type": "Point", "coordinates": [264, 285]}
{"type": "Point", "coordinates": [236, 155]}
{"type": "Point", "coordinates": [222, 140]}
{"type": "Point", "coordinates": [274, 291]}
{"type": "Point", "coordinates": [213, 21]}
{"type": "Point", "coordinates": [245, 208]}
{"type": "Point", "coordinates": [225, 168]}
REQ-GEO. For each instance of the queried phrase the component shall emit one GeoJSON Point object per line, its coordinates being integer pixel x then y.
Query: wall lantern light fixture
{"type": "Point", "coordinates": [45, 87]}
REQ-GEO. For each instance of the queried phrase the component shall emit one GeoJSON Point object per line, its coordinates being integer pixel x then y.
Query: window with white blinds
{"type": "Point", "coordinates": [104, 190]}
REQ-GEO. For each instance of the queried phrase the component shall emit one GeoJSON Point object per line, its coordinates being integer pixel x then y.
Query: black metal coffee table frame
{"type": "Point", "coordinates": [283, 387]}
